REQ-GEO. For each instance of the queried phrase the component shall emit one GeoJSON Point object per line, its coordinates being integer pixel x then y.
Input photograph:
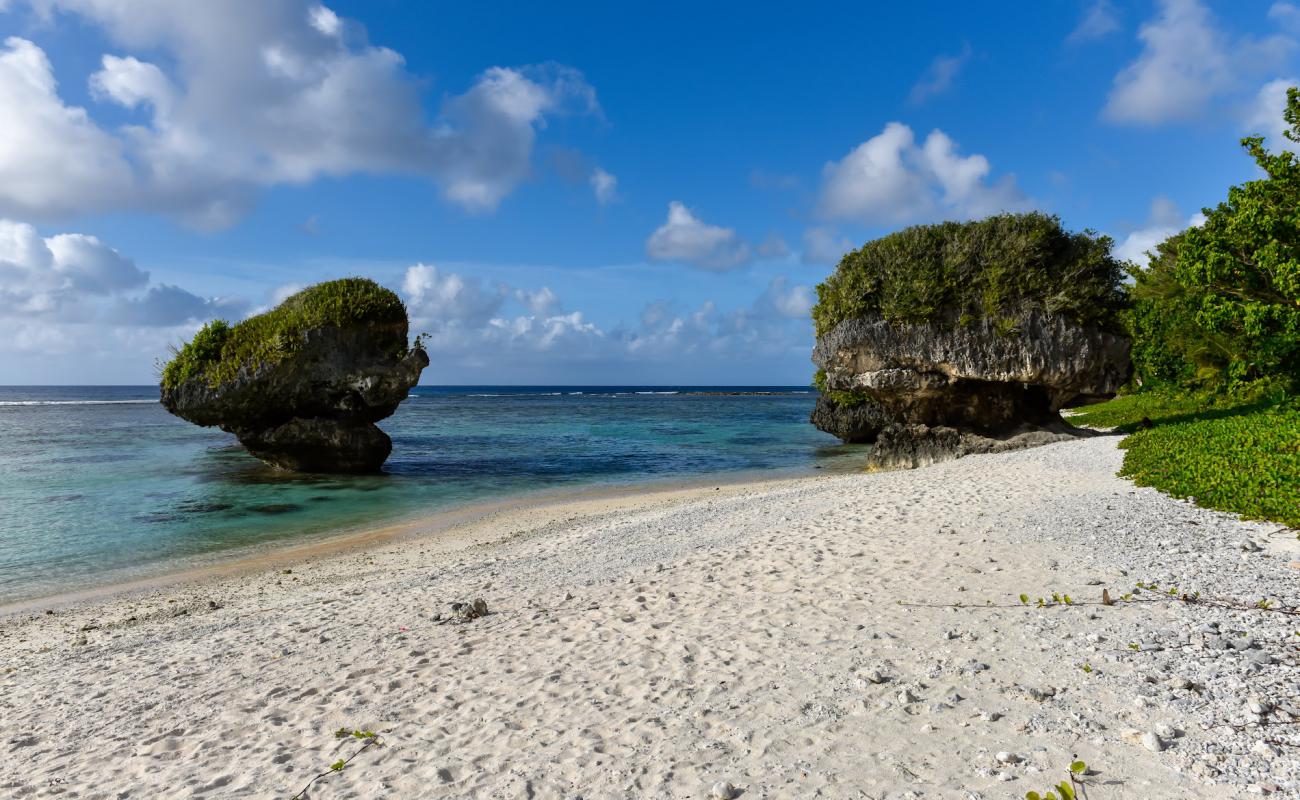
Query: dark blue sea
{"type": "Point", "coordinates": [100, 485]}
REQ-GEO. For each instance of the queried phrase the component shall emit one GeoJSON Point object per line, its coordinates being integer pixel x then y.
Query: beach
{"type": "Point", "coordinates": [853, 635]}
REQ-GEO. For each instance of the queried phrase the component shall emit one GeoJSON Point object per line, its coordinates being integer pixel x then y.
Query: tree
{"type": "Point", "coordinates": [1241, 269]}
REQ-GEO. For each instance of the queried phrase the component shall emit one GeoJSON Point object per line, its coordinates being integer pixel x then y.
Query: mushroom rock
{"type": "Point", "coordinates": [961, 378]}
{"type": "Point", "coordinates": [303, 385]}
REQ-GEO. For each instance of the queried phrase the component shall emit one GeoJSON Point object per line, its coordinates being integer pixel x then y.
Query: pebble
{"type": "Point", "coordinates": [1152, 742]}
{"type": "Point", "coordinates": [723, 790]}
{"type": "Point", "coordinates": [1256, 705]}
{"type": "Point", "coordinates": [1166, 731]}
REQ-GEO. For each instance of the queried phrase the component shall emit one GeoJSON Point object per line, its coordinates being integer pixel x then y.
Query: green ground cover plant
{"type": "Point", "coordinates": [1235, 450]}
{"type": "Point", "coordinates": [219, 350]}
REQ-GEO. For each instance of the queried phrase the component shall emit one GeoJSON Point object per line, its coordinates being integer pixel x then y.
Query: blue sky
{"type": "Point", "coordinates": [577, 192]}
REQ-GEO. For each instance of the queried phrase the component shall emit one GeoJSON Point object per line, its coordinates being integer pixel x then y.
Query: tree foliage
{"type": "Point", "coordinates": [994, 268]}
{"type": "Point", "coordinates": [1220, 303]}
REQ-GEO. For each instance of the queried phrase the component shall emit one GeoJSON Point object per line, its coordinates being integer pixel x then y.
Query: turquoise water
{"type": "Point", "coordinates": [100, 484]}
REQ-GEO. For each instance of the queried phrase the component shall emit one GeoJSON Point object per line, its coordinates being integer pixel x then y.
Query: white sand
{"type": "Point", "coordinates": [643, 646]}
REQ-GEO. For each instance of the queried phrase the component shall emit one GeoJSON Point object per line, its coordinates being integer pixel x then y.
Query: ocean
{"type": "Point", "coordinates": [99, 485]}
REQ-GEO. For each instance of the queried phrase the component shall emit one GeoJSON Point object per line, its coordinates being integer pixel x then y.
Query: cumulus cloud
{"type": "Point", "coordinates": [890, 179]}
{"type": "Point", "coordinates": [43, 276]}
{"type": "Point", "coordinates": [604, 186]}
{"type": "Point", "coordinates": [71, 293]}
{"type": "Point", "coordinates": [1164, 221]}
{"type": "Point", "coordinates": [1186, 63]}
{"type": "Point", "coordinates": [448, 297]}
{"type": "Point", "coordinates": [166, 305]}
{"type": "Point", "coordinates": [1099, 20]}
{"type": "Point", "coordinates": [822, 245]}
{"type": "Point", "coordinates": [1264, 117]}
{"type": "Point", "coordinates": [273, 92]}
{"type": "Point", "coordinates": [541, 302]}
{"type": "Point", "coordinates": [939, 76]}
{"type": "Point", "coordinates": [535, 337]}
{"type": "Point", "coordinates": [685, 237]}
{"type": "Point", "coordinates": [786, 300]}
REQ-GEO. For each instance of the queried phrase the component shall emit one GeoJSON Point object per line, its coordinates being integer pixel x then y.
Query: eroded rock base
{"type": "Point", "coordinates": [901, 446]}
{"type": "Point", "coordinates": [320, 445]}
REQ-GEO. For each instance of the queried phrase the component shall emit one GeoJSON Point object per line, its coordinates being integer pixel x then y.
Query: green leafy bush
{"type": "Point", "coordinates": [1220, 303]}
{"type": "Point", "coordinates": [219, 350]}
{"type": "Point", "coordinates": [1234, 451]}
{"type": "Point", "coordinates": [993, 268]}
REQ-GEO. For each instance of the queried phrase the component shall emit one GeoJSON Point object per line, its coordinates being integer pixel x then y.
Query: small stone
{"type": "Point", "coordinates": [1152, 742]}
{"type": "Point", "coordinates": [1179, 682]}
{"type": "Point", "coordinates": [1166, 731]}
{"type": "Point", "coordinates": [723, 790]}
{"type": "Point", "coordinates": [874, 676]}
{"type": "Point", "coordinates": [1260, 657]}
{"type": "Point", "coordinates": [1005, 776]}
{"type": "Point", "coordinates": [1263, 748]}
{"type": "Point", "coordinates": [1257, 705]}
{"type": "Point", "coordinates": [1204, 770]}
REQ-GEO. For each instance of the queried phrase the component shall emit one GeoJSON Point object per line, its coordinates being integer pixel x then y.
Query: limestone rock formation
{"type": "Point", "coordinates": [945, 340]}
{"type": "Point", "coordinates": [303, 385]}
{"type": "Point", "coordinates": [934, 386]}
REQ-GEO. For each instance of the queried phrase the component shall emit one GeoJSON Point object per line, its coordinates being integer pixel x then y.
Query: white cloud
{"type": "Point", "coordinates": [795, 302]}
{"type": "Point", "coordinates": [1264, 117]}
{"type": "Point", "coordinates": [1099, 21]}
{"type": "Point", "coordinates": [823, 245]}
{"type": "Point", "coordinates": [684, 237]}
{"type": "Point", "coordinates": [889, 179]}
{"type": "Point", "coordinates": [539, 340]}
{"type": "Point", "coordinates": [1165, 221]}
{"type": "Point", "coordinates": [72, 294]}
{"type": "Point", "coordinates": [604, 186]}
{"type": "Point", "coordinates": [53, 159]}
{"type": "Point", "coordinates": [542, 302]}
{"type": "Point", "coordinates": [282, 92]}
{"type": "Point", "coordinates": [45, 276]}
{"type": "Point", "coordinates": [1285, 14]}
{"type": "Point", "coordinates": [939, 76]}
{"type": "Point", "coordinates": [1186, 63]}
{"type": "Point", "coordinates": [446, 297]}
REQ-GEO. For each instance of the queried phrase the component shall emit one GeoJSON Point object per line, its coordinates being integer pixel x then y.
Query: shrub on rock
{"type": "Point", "coordinates": [302, 385]}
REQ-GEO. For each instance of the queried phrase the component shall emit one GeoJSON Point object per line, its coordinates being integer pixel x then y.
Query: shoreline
{"type": "Point", "coordinates": [834, 635]}
{"type": "Point", "coordinates": [244, 561]}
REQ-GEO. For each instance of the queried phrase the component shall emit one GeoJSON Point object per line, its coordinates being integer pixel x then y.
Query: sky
{"type": "Point", "coordinates": [579, 193]}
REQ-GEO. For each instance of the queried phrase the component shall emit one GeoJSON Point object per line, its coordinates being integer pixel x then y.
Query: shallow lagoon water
{"type": "Point", "coordinates": [100, 485]}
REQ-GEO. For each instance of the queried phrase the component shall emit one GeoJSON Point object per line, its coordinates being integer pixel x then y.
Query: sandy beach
{"type": "Point", "coordinates": [846, 636]}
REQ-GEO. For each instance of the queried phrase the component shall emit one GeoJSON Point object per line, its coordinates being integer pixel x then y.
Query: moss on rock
{"type": "Point", "coordinates": [997, 268]}
{"type": "Point", "coordinates": [220, 350]}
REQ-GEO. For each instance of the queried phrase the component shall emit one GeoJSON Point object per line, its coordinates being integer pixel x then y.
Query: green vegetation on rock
{"type": "Point", "coordinates": [995, 268]}
{"type": "Point", "coordinates": [1235, 450]}
{"type": "Point", "coordinates": [220, 350]}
